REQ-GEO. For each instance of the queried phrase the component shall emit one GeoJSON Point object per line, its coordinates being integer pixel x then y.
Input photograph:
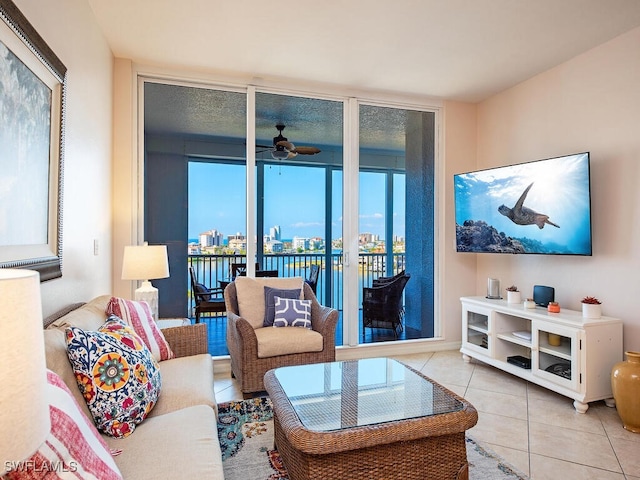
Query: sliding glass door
{"type": "Point", "coordinates": [288, 183]}
{"type": "Point", "coordinates": [194, 185]}
{"type": "Point", "coordinates": [395, 236]}
{"type": "Point", "coordinates": [299, 154]}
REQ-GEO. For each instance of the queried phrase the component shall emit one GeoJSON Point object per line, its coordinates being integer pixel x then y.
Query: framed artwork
{"type": "Point", "coordinates": [32, 100]}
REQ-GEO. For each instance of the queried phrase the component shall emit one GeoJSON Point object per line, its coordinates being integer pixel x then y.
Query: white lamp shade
{"type": "Point", "coordinates": [145, 262]}
{"type": "Point", "coordinates": [24, 421]}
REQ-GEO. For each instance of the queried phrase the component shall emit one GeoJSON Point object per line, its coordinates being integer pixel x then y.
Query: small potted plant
{"type": "Point", "coordinates": [513, 294]}
{"type": "Point", "coordinates": [591, 307]}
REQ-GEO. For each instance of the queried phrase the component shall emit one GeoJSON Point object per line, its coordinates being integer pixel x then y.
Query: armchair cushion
{"type": "Point", "coordinates": [250, 295]}
{"type": "Point", "coordinates": [273, 342]}
{"type": "Point", "coordinates": [270, 295]}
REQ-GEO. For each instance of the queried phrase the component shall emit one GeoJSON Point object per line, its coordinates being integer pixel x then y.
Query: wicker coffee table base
{"type": "Point", "coordinates": [433, 458]}
{"type": "Point", "coordinates": [430, 447]}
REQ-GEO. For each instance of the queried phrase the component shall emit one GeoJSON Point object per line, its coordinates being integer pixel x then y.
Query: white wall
{"type": "Point", "coordinates": [590, 103]}
{"type": "Point", "coordinates": [69, 28]}
{"type": "Point", "coordinates": [458, 270]}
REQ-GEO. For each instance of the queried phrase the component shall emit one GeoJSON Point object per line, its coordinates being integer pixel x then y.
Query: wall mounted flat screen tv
{"type": "Point", "coordinates": [539, 207]}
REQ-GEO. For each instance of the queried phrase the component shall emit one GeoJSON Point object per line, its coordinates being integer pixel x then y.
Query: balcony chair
{"type": "Point", "coordinates": [207, 300]}
{"type": "Point", "coordinates": [383, 280]}
{"type": "Point", "coordinates": [254, 348]}
{"type": "Point", "coordinates": [240, 269]}
{"type": "Point", "coordinates": [312, 281]}
{"type": "Point", "coordinates": [266, 273]}
{"type": "Point", "coordinates": [382, 304]}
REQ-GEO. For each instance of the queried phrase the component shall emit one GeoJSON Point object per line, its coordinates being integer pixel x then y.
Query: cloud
{"type": "Point", "coordinates": [306, 224]}
{"type": "Point", "coordinates": [376, 216]}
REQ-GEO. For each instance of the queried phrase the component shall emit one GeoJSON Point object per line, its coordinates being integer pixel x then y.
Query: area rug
{"type": "Point", "coordinates": [245, 429]}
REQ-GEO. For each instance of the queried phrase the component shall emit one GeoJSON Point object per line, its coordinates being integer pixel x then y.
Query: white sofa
{"type": "Point", "coordinates": [179, 437]}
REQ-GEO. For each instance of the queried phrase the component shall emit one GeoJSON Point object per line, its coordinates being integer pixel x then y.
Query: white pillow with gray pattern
{"type": "Point", "coordinates": [292, 313]}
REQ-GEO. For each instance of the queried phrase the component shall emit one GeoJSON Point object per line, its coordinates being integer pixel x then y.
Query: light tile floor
{"type": "Point", "coordinates": [536, 430]}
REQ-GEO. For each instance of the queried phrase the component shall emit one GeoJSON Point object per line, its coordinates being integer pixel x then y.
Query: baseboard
{"type": "Point", "coordinates": [405, 347]}
{"type": "Point", "coordinates": [222, 364]}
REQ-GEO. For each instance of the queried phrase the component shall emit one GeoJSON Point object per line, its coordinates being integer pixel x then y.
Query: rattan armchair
{"type": "Point", "coordinates": [242, 343]}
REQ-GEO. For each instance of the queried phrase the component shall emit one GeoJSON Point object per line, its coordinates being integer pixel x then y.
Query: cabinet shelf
{"type": "Point", "coordinates": [562, 351]}
{"type": "Point", "coordinates": [477, 328]}
{"type": "Point", "coordinates": [478, 339]}
{"type": "Point", "coordinates": [510, 337]}
{"type": "Point", "coordinates": [578, 368]}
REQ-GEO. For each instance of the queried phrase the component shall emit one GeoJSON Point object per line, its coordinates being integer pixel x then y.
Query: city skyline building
{"type": "Point", "coordinates": [368, 237]}
{"type": "Point", "coordinates": [274, 246]}
{"type": "Point", "coordinates": [300, 243]}
{"type": "Point", "coordinates": [211, 238]}
{"type": "Point", "coordinates": [237, 242]}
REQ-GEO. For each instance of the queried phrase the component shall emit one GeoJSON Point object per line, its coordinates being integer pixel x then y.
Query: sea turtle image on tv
{"type": "Point", "coordinates": [506, 209]}
{"type": "Point", "coordinates": [521, 215]}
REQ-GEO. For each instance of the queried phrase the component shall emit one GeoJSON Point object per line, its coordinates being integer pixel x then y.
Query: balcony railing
{"type": "Point", "coordinates": [211, 269]}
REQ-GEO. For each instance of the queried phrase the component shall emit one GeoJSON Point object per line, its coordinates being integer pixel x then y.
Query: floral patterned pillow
{"type": "Point", "coordinates": [116, 373]}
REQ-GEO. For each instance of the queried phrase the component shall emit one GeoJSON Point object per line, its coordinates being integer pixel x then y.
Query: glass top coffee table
{"type": "Point", "coordinates": [371, 418]}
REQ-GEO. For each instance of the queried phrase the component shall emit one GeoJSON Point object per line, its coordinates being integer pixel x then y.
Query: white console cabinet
{"type": "Point", "coordinates": [578, 368]}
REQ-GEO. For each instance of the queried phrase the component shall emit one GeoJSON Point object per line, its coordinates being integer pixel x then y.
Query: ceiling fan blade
{"type": "Point", "coordinates": [269, 147]}
{"type": "Point", "coordinates": [307, 150]}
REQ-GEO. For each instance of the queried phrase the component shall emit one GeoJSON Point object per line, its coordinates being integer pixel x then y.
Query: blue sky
{"type": "Point", "coordinates": [294, 199]}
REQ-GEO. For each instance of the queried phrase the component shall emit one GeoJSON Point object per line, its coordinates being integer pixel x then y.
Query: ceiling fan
{"type": "Point", "coordinates": [283, 149]}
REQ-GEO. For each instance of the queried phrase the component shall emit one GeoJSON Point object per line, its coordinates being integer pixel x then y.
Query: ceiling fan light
{"type": "Point", "coordinates": [279, 154]}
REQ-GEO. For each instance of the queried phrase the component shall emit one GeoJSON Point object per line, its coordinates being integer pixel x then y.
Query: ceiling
{"type": "Point", "coordinates": [456, 49]}
{"type": "Point", "coordinates": [465, 50]}
{"type": "Point", "coordinates": [198, 112]}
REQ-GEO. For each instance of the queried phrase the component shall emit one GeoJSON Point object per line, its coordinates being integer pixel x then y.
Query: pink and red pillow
{"type": "Point", "coordinates": [138, 316]}
{"type": "Point", "coordinates": [73, 447]}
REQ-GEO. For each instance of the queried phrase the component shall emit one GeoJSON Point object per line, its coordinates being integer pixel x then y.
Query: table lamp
{"type": "Point", "coordinates": [146, 262]}
{"type": "Point", "coordinates": [24, 422]}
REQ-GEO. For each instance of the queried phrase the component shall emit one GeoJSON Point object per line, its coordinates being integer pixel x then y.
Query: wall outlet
{"type": "Point", "coordinates": [95, 246]}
